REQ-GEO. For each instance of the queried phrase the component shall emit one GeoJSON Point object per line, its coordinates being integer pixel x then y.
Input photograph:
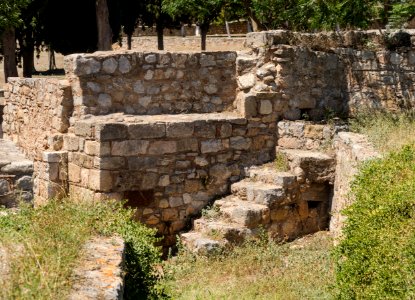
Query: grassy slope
{"type": "Point", "coordinates": [299, 270]}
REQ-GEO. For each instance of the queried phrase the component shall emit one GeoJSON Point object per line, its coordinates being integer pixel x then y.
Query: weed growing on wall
{"type": "Point", "coordinates": [376, 258]}
{"type": "Point", "coordinates": [44, 245]}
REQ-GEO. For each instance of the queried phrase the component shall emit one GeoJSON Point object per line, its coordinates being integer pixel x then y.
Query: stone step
{"type": "Point", "coordinates": [272, 176]}
{"type": "Point", "coordinates": [200, 244]}
{"type": "Point", "coordinates": [310, 165]}
{"type": "Point", "coordinates": [244, 213]}
{"type": "Point", "coordinates": [218, 229]}
{"type": "Point", "coordinates": [259, 192]}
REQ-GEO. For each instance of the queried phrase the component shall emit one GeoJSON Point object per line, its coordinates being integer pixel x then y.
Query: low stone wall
{"type": "Point", "coordinates": [313, 74]}
{"type": "Point", "coordinates": [99, 273]}
{"type": "Point", "coordinates": [149, 43]}
{"type": "Point", "coordinates": [351, 151]}
{"type": "Point", "coordinates": [168, 166]}
{"type": "Point", "coordinates": [37, 113]}
{"type": "Point", "coordinates": [148, 83]}
{"type": "Point", "coordinates": [307, 135]}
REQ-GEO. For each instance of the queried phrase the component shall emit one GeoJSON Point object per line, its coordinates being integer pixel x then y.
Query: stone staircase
{"type": "Point", "coordinates": [285, 204]}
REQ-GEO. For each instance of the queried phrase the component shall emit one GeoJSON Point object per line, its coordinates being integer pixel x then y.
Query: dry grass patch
{"type": "Point", "coordinates": [387, 131]}
{"type": "Point", "coordinates": [257, 270]}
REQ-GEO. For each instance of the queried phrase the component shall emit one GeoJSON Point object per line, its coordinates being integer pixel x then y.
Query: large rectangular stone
{"type": "Point", "coordinates": [211, 146]}
{"type": "Point", "coordinates": [100, 180]}
{"type": "Point", "coordinates": [111, 132]}
{"type": "Point", "coordinates": [162, 147]}
{"type": "Point", "coordinates": [146, 131]}
{"type": "Point", "coordinates": [129, 148]}
{"type": "Point", "coordinates": [180, 130]}
{"type": "Point", "coordinates": [109, 163]}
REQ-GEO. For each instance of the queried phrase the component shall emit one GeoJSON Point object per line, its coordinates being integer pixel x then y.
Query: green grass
{"type": "Point", "coordinates": [386, 131]}
{"type": "Point", "coordinates": [257, 270]}
{"type": "Point", "coordinates": [44, 244]}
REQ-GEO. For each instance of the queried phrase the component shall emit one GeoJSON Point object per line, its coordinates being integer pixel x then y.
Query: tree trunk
{"type": "Point", "coordinates": [129, 41]}
{"type": "Point", "coordinates": [204, 28]}
{"type": "Point", "coordinates": [160, 40]}
{"type": "Point", "coordinates": [256, 24]}
{"type": "Point", "coordinates": [9, 51]}
{"type": "Point", "coordinates": [52, 60]}
{"type": "Point", "coordinates": [28, 57]}
{"type": "Point", "coordinates": [103, 26]}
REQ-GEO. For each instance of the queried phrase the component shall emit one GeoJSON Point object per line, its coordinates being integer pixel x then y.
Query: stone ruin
{"type": "Point", "coordinates": [173, 132]}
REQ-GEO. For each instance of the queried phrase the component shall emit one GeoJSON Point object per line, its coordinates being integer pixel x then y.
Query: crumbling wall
{"type": "Point", "coordinates": [352, 150]}
{"type": "Point", "coordinates": [315, 77]}
{"type": "Point", "coordinates": [146, 83]}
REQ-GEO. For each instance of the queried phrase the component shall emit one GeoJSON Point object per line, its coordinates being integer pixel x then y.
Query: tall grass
{"type": "Point", "coordinates": [387, 131]}
{"type": "Point", "coordinates": [44, 244]}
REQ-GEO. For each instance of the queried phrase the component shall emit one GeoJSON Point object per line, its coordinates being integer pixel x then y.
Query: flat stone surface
{"type": "Point", "coordinates": [10, 153]}
{"type": "Point", "coordinates": [201, 244]}
{"type": "Point", "coordinates": [178, 118]}
{"type": "Point", "coordinates": [99, 274]}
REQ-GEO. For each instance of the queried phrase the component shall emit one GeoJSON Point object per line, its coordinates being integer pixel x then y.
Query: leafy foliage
{"type": "Point", "coordinates": [10, 12]}
{"type": "Point", "coordinates": [375, 259]}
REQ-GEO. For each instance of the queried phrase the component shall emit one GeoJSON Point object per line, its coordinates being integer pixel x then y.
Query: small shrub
{"type": "Point", "coordinates": [376, 258]}
{"type": "Point", "coordinates": [395, 40]}
{"type": "Point", "coordinates": [281, 162]}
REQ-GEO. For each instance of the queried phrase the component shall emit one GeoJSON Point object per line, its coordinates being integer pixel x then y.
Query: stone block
{"type": "Point", "coordinates": [246, 81]}
{"type": "Point", "coordinates": [179, 130]}
{"type": "Point", "coordinates": [175, 201]}
{"type": "Point", "coordinates": [189, 144]}
{"type": "Point", "coordinates": [147, 131]}
{"type": "Point", "coordinates": [265, 107]}
{"type": "Point", "coordinates": [109, 163]}
{"type": "Point", "coordinates": [100, 180]}
{"type": "Point", "coordinates": [240, 143]}
{"type": "Point", "coordinates": [162, 147]}
{"type": "Point", "coordinates": [129, 148]}
{"type": "Point", "coordinates": [211, 146]}
{"type": "Point", "coordinates": [74, 173]}
{"type": "Point", "coordinates": [55, 157]}
{"type": "Point", "coordinates": [111, 132]}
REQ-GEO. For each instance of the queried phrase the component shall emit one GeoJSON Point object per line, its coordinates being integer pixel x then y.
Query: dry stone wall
{"type": "Point", "coordinates": [37, 114]}
{"type": "Point", "coordinates": [168, 166]}
{"type": "Point", "coordinates": [302, 80]}
{"type": "Point", "coordinates": [151, 83]}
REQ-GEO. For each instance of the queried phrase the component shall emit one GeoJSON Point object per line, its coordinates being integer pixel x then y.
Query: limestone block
{"type": "Point", "coordinates": [246, 81]}
{"type": "Point", "coordinates": [110, 65]}
{"type": "Point", "coordinates": [100, 180]}
{"type": "Point", "coordinates": [74, 173]}
{"type": "Point", "coordinates": [124, 65]}
{"type": "Point", "coordinates": [265, 107]}
{"type": "Point", "coordinates": [240, 143]}
{"type": "Point", "coordinates": [129, 148]}
{"type": "Point", "coordinates": [180, 130]}
{"type": "Point", "coordinates": [109, 132]}
{"type": "Point", "coordinates": [109, 163]}
{"type": "Point", "coordinates": [211, 146]}
{"type": "Point", "coordinates": [162, 147]}
{"type": "Point", "coordinates": [175, 201]}
{"type": "Point", "coordinates": [164, 180]}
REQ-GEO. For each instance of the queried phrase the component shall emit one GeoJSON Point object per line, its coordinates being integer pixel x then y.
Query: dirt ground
{"type": "Point", "coordinates": [41, 64]}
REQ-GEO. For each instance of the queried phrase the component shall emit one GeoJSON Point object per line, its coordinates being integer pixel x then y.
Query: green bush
{"type": "Point", "coordinates": [50, 238]}
{"type": "Point", "coordinates": [376, 258]}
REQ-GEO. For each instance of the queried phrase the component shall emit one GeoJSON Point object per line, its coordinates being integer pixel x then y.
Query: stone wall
{"type": "Point", "coordinates": [173, 43]}
{"type": "Point", "coordinates": [37, 113]}
{"type": "Point", "coordinates": [351, 150]}
{"type": "Point", "coordinates": [308, 135]}
{"type": "Point", "coordinates": [314, 75]}
{"type": "Point", "coordinates": [151, 83]}
{"type": "Point", "coordinates": [167, 166]}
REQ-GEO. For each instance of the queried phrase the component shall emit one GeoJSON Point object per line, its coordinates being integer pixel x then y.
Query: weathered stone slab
{"type": "Point", "coordinates": [99, 273]}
